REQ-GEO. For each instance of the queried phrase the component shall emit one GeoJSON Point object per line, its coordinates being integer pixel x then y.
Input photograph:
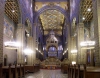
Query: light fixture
{"type": "Point", "coordinates": [13, 11]}
{"type": "Point", "coordinates": [83, 18]}
{"type": "Point", "coordinates": [89, 9]}
{"type": "Point", "coordinates": [73, 51]}
{"type": "Point", "coordinates": [73, 62]}
{"type": "Point", "coordinates": [36, 48]}
{"type": "Point", "coordinates": [87, 43]}
{"type": "Point", "coordinates": [63, 53]}
{"type": "Point", "coordinates": [12, 45]}
{"type": "Point", "coordinates": [28, 51]}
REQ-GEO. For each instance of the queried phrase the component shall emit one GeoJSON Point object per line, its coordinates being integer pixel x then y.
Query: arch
{"type": "Point", "coordinates": [48, 46]}
{"type": "Point", "coordinates": [54, 7]}
{"type": "Point", "coordinates": [5, 59]}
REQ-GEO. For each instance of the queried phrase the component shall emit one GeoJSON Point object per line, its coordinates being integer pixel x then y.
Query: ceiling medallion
{"type": "Point", "coordinates": [51, 4]}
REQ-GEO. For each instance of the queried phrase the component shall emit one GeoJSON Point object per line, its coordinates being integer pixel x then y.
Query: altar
{"type": "Point", "coordinates": [51, 63]}
{"type": "Point", "coordinates": [51, 66]}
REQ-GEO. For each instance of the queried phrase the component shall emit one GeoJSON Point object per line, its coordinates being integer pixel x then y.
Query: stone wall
{"type": "Point", "coordinates": [1, 29]}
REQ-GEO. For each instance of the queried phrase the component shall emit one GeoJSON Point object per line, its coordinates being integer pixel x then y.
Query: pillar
{"type": "Point", "coordinates": [34, 41]}
{"type": "Point", "coordinates": [1, 29]}
{"type": "Point", "coordinates": [73, 47]}
{"type": "Point", "coordinates": [80, 38]}
{"type": "Point", "coordinates": [96, 19]}
{"type": "Point", "coordinates": [31, 55]}
{"type": "Point", "coordinates": [20, 37]}
{"type": "Point", "coordinates": [69, 43]}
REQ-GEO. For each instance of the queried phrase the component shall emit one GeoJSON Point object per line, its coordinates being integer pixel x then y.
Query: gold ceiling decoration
{"type": "Point", "coordinates": [52, 20]}
{"type": "Point", "coordinates": [11, 10]}
{"type": "Point", "coordinates": [87, 10]}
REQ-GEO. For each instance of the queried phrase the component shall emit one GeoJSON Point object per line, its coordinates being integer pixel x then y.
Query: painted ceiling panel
{"type": "Point", "coordinates": [50, 0]}
{"type": "Point", "coordinates": [52, 20]}
{"type": "Point", "coordinates": [39, 5]}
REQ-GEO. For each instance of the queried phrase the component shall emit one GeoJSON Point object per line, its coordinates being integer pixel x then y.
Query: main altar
{"type": "Point", "coordinates": [51, 63]}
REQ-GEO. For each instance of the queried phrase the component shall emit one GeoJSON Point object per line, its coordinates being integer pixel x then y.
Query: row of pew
{"type": "Point", "coordinates": [83, 71]}
{"type": "Point", "coordinates": [17, 71]}
{"type": "Point", "coordinates": [64, 68]}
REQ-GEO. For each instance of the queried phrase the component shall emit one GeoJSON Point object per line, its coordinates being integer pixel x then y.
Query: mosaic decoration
{"type": "Point", "coordinates": [52, 20]}
{"type": "Point", "coordinates": [63, 5]}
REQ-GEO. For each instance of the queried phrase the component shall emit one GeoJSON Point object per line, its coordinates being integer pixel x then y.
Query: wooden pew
{"type": "Point", "coordinates": [91, 72]}
{"type": "Point", "coordinates": [81, 71]}
{"type": "Point", "coordinates": [64, 68]}
{"type": "Point", "coordinates": [6, 70]}
{"type": "Point", "coordinates": [11, 71]}
{"type": "Point", "coordinates": [29, 68]}
{"type": "Point", "coordinates": [36, 68]}
{"type": "Point", "coordinates": [1, 73]}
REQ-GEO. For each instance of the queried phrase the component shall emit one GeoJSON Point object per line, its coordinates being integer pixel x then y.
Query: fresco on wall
{"type": "Point", "coordinates": [8, 29]}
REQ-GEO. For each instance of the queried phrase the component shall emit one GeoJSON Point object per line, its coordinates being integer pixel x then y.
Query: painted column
{"type": "Point", "coordinates": [1, 29]}
{"type": "Point", "coordinates": [20, 37]}
{"type": "Point", "coordinates": [80, 38]}
{"type": "Point", "coordinates": [96, 18]}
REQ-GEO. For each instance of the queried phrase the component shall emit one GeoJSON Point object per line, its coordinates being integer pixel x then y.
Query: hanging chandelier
{"type": "Point", "coordinates": [12, 45]}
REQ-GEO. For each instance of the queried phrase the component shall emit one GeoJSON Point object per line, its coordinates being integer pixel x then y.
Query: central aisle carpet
{"type": "Point", "coordinates": [47, 74]}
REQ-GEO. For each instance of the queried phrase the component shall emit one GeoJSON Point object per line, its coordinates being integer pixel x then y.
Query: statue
{"type": "Point", "coordinates": [74, 21]}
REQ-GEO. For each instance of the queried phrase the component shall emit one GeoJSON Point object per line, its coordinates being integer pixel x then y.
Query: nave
{"type": "Point", "coordinates": [47, 74]}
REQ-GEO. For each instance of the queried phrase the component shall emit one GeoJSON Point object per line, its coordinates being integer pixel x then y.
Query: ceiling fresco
{"type": "Point", "coordinates": [52, 20]}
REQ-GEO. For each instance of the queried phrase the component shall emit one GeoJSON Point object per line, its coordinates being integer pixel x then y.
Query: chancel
{"type": "Point", "coordinates": [49, 39]}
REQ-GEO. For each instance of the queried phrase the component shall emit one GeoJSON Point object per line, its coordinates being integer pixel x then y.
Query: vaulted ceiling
{"type": "Point", "coordinates": [52, 20]}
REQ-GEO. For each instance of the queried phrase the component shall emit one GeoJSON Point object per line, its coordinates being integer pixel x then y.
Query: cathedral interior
{"type": "Point", "coordinates": [50, 38]}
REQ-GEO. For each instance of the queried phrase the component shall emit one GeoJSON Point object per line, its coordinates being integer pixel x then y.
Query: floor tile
{"type": "Point", "coordinates": [47, 74]}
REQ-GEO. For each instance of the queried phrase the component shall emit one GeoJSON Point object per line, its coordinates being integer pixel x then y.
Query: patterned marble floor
{"type": "Point", "coordinates": [47, 74]}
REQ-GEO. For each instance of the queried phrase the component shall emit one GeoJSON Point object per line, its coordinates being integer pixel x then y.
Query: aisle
{"type": "Point", "coordinates": [47, 74]}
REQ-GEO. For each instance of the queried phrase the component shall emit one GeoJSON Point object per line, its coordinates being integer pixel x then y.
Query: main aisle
{"type": "Point", "coordinates": [47, 74]}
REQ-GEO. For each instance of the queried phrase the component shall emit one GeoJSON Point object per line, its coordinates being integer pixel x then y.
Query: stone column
{"type": "Point", "coordinates": [80, 38]}
{"type": "Point", "coordinates": [73, 47]}
{"type": "Point", "coordinates": [20, 37]}
{"type": "Point", "coordinates": [34, 41]}
{"type": "Point", "coordinates": [1, 29]}
{"type": "Point", "coordinates": [69, 43]}
{"type": "Point", "coordinates": [30, 46]}
{"type": "Point", "coordinates": [96, 18]}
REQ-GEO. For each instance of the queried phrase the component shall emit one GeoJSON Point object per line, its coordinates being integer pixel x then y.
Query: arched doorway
{"type": "Point", "coordinates": [5, 60]}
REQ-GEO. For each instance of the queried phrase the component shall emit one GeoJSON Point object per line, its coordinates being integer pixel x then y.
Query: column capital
{"type": "Point", "coordinates": [81, 25]}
